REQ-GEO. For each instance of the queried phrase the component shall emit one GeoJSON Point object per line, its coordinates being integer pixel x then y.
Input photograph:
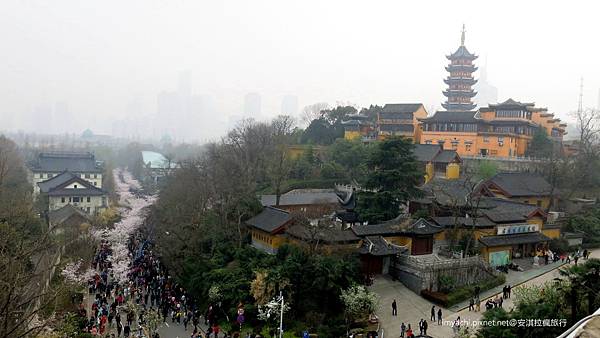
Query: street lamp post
{"type": "Point", "coordinates": [281, 316]}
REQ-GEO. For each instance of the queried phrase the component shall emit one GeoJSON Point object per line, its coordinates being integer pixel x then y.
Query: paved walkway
{"type": "Point", "coordinates": [412, 307]}
{"type": "Point", "coordinates": [513, 278]}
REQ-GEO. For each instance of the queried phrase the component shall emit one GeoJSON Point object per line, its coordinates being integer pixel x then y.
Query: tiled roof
{"type": "Point", "coordinates": [51, 183]}
{"type": "Point", "coordinates": [501, 210]}
{"type": "Point", "coordinates": [401, 108]}
{"type": "Point", "coordinates": [401, 225]}
{"type": "Point", "coordinates": [328, 235]}
{"type": "Point", "coordinates": [59, 216]}
{"type": "Point", "coordinates": [448, 222]}
{"type": "Point", "coordinates": [302, 197]}
{"type": "Point", "coordinates": [56, 186]}
{"type": "Point", "coordinates": [378, 246]}
{"type": "Point", "coordinates": [462, 52]}
{"type": "Point", "coordinates": [61, 161]}
{"type": "Point", "coordinates": [447, 156]}
{"type": "Point", "coordinates": [426, 152]}
{"type": "Point", "coordinates": [514, 239]}
{"type": "Point", "coordinates": [452, 192]}
{"type": "Point", "coordinates": [270, 219]}
{"type": "Point", "coordinates": [522, 184]}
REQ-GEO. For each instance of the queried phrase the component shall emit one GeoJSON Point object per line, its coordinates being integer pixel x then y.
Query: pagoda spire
{"type": "Point", "coordinates": [460, 79]}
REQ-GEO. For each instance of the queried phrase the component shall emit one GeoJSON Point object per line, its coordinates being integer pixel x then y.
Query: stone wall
{"type": "Point", "coordinates": [419, 274]}
{"type": "Point", "coordinates": [510, 164]}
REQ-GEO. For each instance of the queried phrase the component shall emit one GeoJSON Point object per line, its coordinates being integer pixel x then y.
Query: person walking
{"type": "Point", "coordinates": [471, 303]}
{"type": "Point", "coordinates": [508, 289]}
{"type": "Point", "coordinates": [402, 330]}
{"type": "Point", "coordinates": [424, 328]}
{"type": "Point", "coordinates": [119, 328]}
{"type": "Point", "coordinates": [421, 327]}
{"type": "Point", "coordinates": [439, 316]}
{"type": "Point", "coordinates": [433, 313]}
{"type": "Point", "coordinates": [394, 308]}
{"type": "Point", "coordinates": [409, 332]}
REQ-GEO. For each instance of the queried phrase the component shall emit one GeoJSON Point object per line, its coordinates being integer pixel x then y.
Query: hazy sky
{"type": "Point", "coordinates": [99, 55]}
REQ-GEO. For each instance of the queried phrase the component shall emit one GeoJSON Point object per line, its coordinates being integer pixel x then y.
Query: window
{"type": "Point", "coordinates": [87, 209]}
{"type": "Point", "coordinates": [427, 141]}
{"type": "Point", "coordinates": [467, 147]}
{"type": "Point", "coordinates": [95, 175]}
{"type": "Point", "coordinates": [95, 183]}
{"type": "Point", "coordinates": [74, 186]}
{"type": "Point", "coordinates": [76, 199]}
{"type": "Point", "coordinates": [526, 202]}
{"type": "Point", "coordinates": [89, 199]}
{"type": "Point", "coordinates": [486, 139]}
{"type": "Point", "coordinates": [454, 144]}
{"type": "Point", "coordinates": [50, 175]}
{"type": "Point", "coordinates": [87, 175]}
{"type": "Point", "coordinates": [62, 200]}
{"type": "Point", "coordinates": [500, 141]}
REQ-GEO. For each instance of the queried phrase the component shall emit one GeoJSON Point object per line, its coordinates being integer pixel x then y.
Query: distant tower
{"type": "Point", "coordinates": [252, 105]}
{"type": "Point", "coordinates": [460, 80]}
{"type": "Point", "coordinates": [486, 92]}
{"type": "Point", "coordinates": [289, 105]}
{"type": "Point", "coordinates": [580, 104]}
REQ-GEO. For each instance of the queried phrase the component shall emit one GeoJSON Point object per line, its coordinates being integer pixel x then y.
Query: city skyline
{"type": "Point", "coordinates": [58, 54]}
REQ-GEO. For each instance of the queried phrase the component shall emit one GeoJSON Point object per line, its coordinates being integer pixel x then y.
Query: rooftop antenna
{"type": "Point", "coordinates": [462, 36]}
{"type": "Point", "coordinates": [580, 106]}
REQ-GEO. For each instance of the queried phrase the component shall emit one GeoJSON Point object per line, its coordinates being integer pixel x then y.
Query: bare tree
{"type": "Point", "coordinates": [313, 112]}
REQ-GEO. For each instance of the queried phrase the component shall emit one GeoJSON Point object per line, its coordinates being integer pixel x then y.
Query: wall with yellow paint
{"type": "Point", "coordinates": [552, 233]}
{"type": "Point", "coordinates": [352, 134]}
{"type": "Point", "coordinates": [400, 240]}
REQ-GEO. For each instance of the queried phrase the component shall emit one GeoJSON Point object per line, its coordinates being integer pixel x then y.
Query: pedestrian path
{"type": "Point", "coordinates": [513, 278]}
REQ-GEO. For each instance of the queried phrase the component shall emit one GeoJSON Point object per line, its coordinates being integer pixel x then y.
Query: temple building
{"type": "Point", "coordinates": [394, 120]}
{"type": "Point", "coordinates": [460, 80]}
{"type": "Point", "coordinates": [499, 130]}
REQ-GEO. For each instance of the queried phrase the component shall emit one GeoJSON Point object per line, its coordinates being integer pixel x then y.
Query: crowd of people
{"type": "Point", "coordinates": [148, 288]}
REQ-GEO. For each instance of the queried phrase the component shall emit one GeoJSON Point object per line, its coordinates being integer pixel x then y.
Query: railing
{"type": "Point", "coordinates": [502, 158]}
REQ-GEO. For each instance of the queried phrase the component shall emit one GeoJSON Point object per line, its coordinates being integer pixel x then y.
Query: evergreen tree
{"type": "Point", "coordinates": [392, 179]}
{"type": "Point", "coordinates": [541, 146]}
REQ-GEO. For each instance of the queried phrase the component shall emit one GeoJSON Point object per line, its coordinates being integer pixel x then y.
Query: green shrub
{"type": "Point", "coordinates": [446, 283]}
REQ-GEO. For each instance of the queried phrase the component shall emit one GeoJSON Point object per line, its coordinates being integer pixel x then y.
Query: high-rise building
{"type": "Point", "coordinates": [252, 105]}
{"type": "Point", "coordinates": [486, 92]}
{"type": "Point", "coordinates": [460, 79]}
{"type": "Point", "coordinates": [289, 105]}
{"type": "Point", "coordinates": [184, 86]}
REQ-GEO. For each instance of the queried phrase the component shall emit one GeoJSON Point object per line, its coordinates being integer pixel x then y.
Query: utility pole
{"type": "Point", "coordinates": [281, 317]}
{"type": "Point", "coordinates": [580, 106]}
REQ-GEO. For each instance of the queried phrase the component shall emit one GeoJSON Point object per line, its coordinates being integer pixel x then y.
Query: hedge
{"type": "Point", "coordinates": [462, 293]}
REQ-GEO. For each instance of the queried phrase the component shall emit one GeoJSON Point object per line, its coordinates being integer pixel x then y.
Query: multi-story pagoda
{"type": "Point", "coordinates": [460, 80]}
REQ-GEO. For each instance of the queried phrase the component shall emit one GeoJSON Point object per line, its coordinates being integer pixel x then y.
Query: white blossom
{"type": "Point", "coordinates": [272, 309]}
{"type": "Point", "coordinates": [132, 217]}
{"type": "Point", "coordinates": [359, 301]}
{"type": "Point", "coordinates": [73, 274]}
